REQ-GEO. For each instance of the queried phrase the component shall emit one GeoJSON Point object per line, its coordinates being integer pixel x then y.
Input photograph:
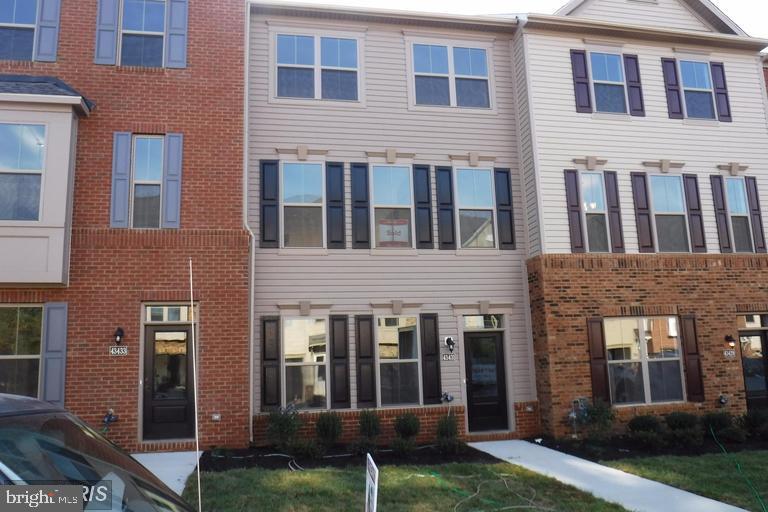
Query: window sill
{"type": "Point", "coordinates": [453, 110]}
{"type": "Point", "coordinates": [701, 122]}
{"type": "Point", "coordinates": [611, 116]}
{"type": "Point", "coordinates": [22, 64]}
{"type": "Point", "coordinates": [653, 404]}
{"type": "Point", "coordinates": [394, 252]}
{"type": "Point", "coordinates": [319, 103]}
{"type": "Point", "coordinates": [140, 69]}
{"type": "Point", "coordinates": [296, 251]}
{"type": "Point", "coordinates": [478, 252]}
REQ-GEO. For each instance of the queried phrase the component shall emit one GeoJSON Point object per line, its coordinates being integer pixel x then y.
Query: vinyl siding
{"type": "Point", "coordinates": [351, 280]}
{"type": "Point", "coordinates": [563, 134]}
{"type": "Point", "coordinates": [659, 13]}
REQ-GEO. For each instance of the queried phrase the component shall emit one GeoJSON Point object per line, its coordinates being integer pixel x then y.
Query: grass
{"type": "Point", "coordinates": [713, 476]}
{"type": "Point", "coordinates": [449, 487]}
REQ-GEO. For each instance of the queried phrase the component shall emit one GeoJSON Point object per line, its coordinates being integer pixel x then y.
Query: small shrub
{"type": "Point", "coordinates": [370, 424]}
{"type": "Point", "coordinates": [681, 421]}
{"type": "Point", "coordinates": [597, 420]}
{"type": "Point", "coordinates": [407, 426]}
{"type": "Point", "coordinates": [448, 441]}
{"type": "Point", "coordinates": [403, 447]}
{"type": "Point", "coordinates": [716, 421]}
{"type": "Point", "coordinates": [305, 449]}
{"type": "Point", "coordinates": [328, 428]}
{"type": "Point", "coordinates": [685, 437]}
{"type": "Point", "coordinates": [282, 426]}
{"type": "Point", "coordinates": [733, 434]}
{"type": "Point", "coordinates": [363, 446]}
{"type": "Point", "coordinates": [645, 423]}
{"type": "Point", "coordinates": [756, 423]}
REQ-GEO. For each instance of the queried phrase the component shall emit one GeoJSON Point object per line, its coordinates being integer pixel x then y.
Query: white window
{"type": "Point", "coordinates": [317, 67]}
{"type": "Point", "coordinates": [147, 174]}
{"type": "Point", "coordinates": [697, 89]}
{"type": "Point", "coordinates": [20, 341]}
{"type": "Point", "coordinates": [608, 82]}
{"type": "Point", "coordinates": [22, 162]}
{"type": "Point", "coordinates": [595, 213]}
{"type": "Point", "coordinates": [303, 204]}
{"type": "Point", "coordinates": [168, 314]}
{"type": "Point", "coordinates": [17, 29]}
{"type": "Point", "coordinates": [398, 351]}
{"type": "Point", "coordinates": [738, 210]}
{"type": "Point", "coordinates": [305, 347]}
{"type": "Point", "coordinates": [644, 360]}
{"type": "Point", "coordinates": [392, 206]}
{"type": "Point", "coordinates": [143, 33]}
{"type": "Point", "coordinates": [451, 76]}
{"type": "Point", "coordinates": [475, 194]}
{"type": "Point", "coordinates": [670, 213]}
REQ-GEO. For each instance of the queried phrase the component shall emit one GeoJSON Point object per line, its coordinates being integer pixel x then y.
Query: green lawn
{"type": "Point", "coordinates": [473, 487]}
{"type": "Point", "coordinates": [713, 476]}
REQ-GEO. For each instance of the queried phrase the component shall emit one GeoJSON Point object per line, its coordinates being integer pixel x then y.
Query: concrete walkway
{"type": "Point", "coordinates": [173, 468]}
{"type": "Point", "coordinates": [630, 491]}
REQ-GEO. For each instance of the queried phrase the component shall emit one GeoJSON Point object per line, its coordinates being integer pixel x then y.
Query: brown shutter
{"type": "Point", "coordinates": [642, 212]}
{"type": "Point", "coordinates": [361, 213]}
{"type": "Point", "coordinates": [634, 87]}
{"type": "Point", "coordinates": [422, 198]}
{"type": "Point", "coordinates": [754, 214]}
{"type": "Point", "coordinates": [270, 363]}
{"type": "Point", "coordinates": [581, 81]}
{"type": "Point", "coordinates": [270, 200]}
{"type": "Point", "coordinates": [573, 200]}
{"type": "Point", "coordinates": [720, 86]}
{"type": "Point", "coordinates": [614, 211]}
{"type": "Point", "coordinates": [598, 361]}
{"type": "Point", "coordinates": [334, 201]}
{"type": "Point", "coordinates": [672, 84]}
{"type": "Point", "coordinates": [505, 216]}
{"type": "Point", "coordinates": [366, 362]}
{"type": "Point", "coordinates": [339, 353]}
{"type": "Point", "coordinates": [446, 228]}
{"type": "Point", "coordinates": [721, 214]}
{"type": "Point", "coordinates": [695, 215]}
{"type": "Point", "coordinates": [693, 378]}
{"type": "Point", "coordinates": [430, 359]}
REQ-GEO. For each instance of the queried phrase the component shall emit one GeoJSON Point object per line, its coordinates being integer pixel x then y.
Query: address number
{"type": "Point", "coordinates": [118, 351]}
{"type": "Point", "coordinates": [450, 357]}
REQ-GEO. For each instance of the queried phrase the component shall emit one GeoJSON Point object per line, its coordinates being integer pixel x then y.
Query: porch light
{"type": "Point", "coordinates": [119, 335]}
{"type": "Point", "coordinates": [731, 341]}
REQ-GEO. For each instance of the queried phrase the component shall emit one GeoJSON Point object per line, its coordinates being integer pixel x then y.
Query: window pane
{"type": "Point", "coordinates": [170, 355]}
{"type": "Point", "coordinates": [295, 83]}
{"type": "Point", "coordinates": [667, 194]}
{"type": "Point", "coordinates": [622, 339]}
{"type": "Point", "coordinates": [146, 51]}
{"type": "Point", "coordinates": [154, 16]}
{"type": "Point", "coordinates": [399, 383]}
{"type": "Point", "coordinates": [597, 232]}
{"type": "Point", "coordinates": [148, 164]}
{"type": "Point", "coordinates": [474, 188]}
{"type": "Point", "coordinates": [296, 50]}
{"type": "Point", "coordinates": [752, 360]}
{"type": "Point", "coordinates": [430, 59]}
{"type": "Point", "coordinates": [8, 327]}
{"type": "Point", "coordinates": [144, 15]}
{"type": "Point", "coordinates": [18, 11]}
{"type": "Point", "coordinates": [610, 98]}
{"type": "Point", "coordinates": [393, 227]}
{"type": "Point", "coordinates": [699, 104]}
{"type": "Point", "coordinates": [476, 228]}
{"type": "Point", "coordinates": [742, 236]}
{"type": "Point", "coordinates": [391, 185]}
{"type": "Point", "coordinates": [606, 67]}
{"type": "Point", "coordinates": [593, 192]}
{"type": "Point", "coordinates": [16, 43]}
{"type": "Point", "coordinates": [432, 90]}
{"type": "Point", "coordinates": [303, 226]}
{"type": "Point", "coordinates": [304, 340]}
{"type": "Point", "coordinates": [303, 183]}
{"type": "Point", "coordinates": [661, 337]}
{"type": "Point", "coordinates": [305, 386]}
{"type": "Point", "coordinates": [470, 62]}
{"type": "Point", "coordinates": [626, 381]}
{"type": "Point", "coordinates": [672, 233]}
{"type": "Point", "coordinates": [666, 381]}
{"type": "Point", "coordinates": [695, 74]}
{"type": "Point", "coordinates": [19, 196]}
{"type": "Point", "coordinates": [396, 338]}
{"type": "Point", "coordinates": [737, 196]}
{"type": "Point", "coordinates": [30, 331]}
{"type": "Point", "coordinates": [146, 206]}
{"type": "Point", "coordinates": [472, 93]}
{"type": "Point", "coordinates": [19, 376]}
{"type": "Point", "coordinates": [22, 147]}
{"type": "Point", "coordinates": [339, 85]}
{"type": "Point", "coordinates": [339, 53]}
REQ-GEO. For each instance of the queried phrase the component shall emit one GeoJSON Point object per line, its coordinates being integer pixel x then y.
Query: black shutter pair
{"type": "Point", "coordinates": [575, 224]}
{"type": "Point", "coordinates": [675, 90]}
{"type": "Point", "coordinates": [721, 214]}
{"type": "Point", "coordinates": [581, 85]}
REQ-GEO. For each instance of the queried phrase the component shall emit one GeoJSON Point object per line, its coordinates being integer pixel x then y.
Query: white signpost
{"type": "Point", "coordinates": [371, 485]}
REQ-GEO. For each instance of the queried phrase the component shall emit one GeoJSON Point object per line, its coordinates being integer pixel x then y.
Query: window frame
{"type": "Point", "coordinates": [683, 88]}
{"type": "Point", "coordinates": [378, 361]}
{"type": "Point", "coordinates": [731, 215]}
{"type": "Point", "coordinates": [39, 356]}
{"type": "Point", "coordinates": [645, 363]}
{"type": "Point", "coordinates": [284, 364]}
{"type": "Point", "coordinates": [374, 206]}
{"type": "Point", "coordinates": [592, 81]}
{"type": "Point", "coordinates": [654, 212]}
{"type": "Point", "coordinates": [122, 32]}
{"type": "Point", "coordinates": [134, 182]}
{"type": "Point", "coordinates": [42, 173]}
{"type": "Point", "coordinates": [458, 209]}
{"type": "Point", "coordinates": [584, 212]}
{"type": "Point", "coordinates": [323, 204]}
{"type": "Point", "coordinates": [32, 26]}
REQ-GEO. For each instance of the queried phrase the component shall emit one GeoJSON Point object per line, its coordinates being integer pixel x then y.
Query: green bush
{"type": "Point", "coordinates": [305, 449]}
{"type": "Point", "coordinates": [733, 434]}
{"type": "Point", "coordinates": [681, 421]}
{"type": "Point", "coordinates": [716, 421]}
{"type": "Point", "coordinates": [403, 447]}
{"type": "Point", "coordinates": [407, 426]}
{"type": "Point", "coordinates": [448, 441]}
{"type": "Point", "coordinates": [685, 437]}
{"type": "Point", "coordinates": [282, 426]}
{"type": "Point", "coordinates": [597, 420]}
{"type": "Point", "coordinates": [328, 428]}
{"type": "Point", "coordinates": [756, 423]}
{"type": "Point", "coordinates": [370, 424]}
{"type": "Point", "coordinates": [363, 446]}
{"type": "Point", "coordinates": [645, 423]}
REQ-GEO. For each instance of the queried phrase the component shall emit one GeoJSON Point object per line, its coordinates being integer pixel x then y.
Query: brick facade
{"type": "Point", "coordinates": [566, 290]}
{"type": "Point", "coordinates": [113, 271]}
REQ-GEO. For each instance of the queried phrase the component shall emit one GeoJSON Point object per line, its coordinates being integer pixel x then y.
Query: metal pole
{"type": "Point", "coordinates": [194, 386]}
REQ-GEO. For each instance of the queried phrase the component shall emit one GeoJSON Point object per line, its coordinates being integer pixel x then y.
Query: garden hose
{"type": "Point", "coordinates": [736, 463]}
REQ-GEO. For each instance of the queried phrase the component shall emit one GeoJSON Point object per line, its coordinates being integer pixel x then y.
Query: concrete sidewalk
{"type": "Point", "coordinates": [630, 491]}
{"type": "Point", "coordinates": [173, 468]}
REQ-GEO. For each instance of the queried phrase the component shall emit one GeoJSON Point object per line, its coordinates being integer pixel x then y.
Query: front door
{"type": "Point", "coordinates": [486, 385]}
{"type": "Point", "coordinates": [754, 360]}
{"type": "Point", "coordinates": [168, 390]}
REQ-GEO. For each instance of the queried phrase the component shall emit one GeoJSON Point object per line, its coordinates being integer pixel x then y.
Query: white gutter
{"type": "Point", "coordinates": [76, 101]}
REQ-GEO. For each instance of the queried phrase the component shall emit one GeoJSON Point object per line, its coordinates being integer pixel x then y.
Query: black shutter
{"type": "Point", "coordinates": [721, 214]}
{"type": "Point", "coordinates": [695, 215]}
{"type": "Point", "coordinates": [754, 214]}
{"type": "Point", "coordinates": [334, 189]}
{"type": "Point", "coordinates": [270, 363]}
{"type": "Point", "coordinates": [634, 87]}
{"type": "Point", "coordinates": [672, 85]}
{"type": "Point", "coordinates": [694, 383]}
{"type": "Point", "coordinates": [361, 212]}
{"type": "Point", "coordinates": [446, 227]}
{"type": "Point", "coordinates": [339, 352]}
{"type": "Point", "coordinates": [430, 359]}
{"type": "Point", "coordinates": [581, 81]}
{"type": "Point", "coordinates": [270, 201]}
{"type": "Point", "coordinates": [422, 196]}
{"type": "Point", "coordinates": [366, 362]}
{"type": "Point", "coordinates": [720, 86]}
{"type": "Point", "coordinates": [505, 216]}
{"type": "Point", "coordinates": [573, 203]}
{"type": "Point", "coordinates": [642, 212]}
{"type": "Point", "coordinates": [598, 361]}
{"type": "Point", "coordinates": [614, 211]}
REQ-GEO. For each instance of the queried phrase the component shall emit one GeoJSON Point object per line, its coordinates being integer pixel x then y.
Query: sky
{"type": "Point", "coordinates": [751, 15]}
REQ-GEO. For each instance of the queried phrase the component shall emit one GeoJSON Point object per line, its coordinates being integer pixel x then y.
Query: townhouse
{"type": "Point", "coordinates": [121, 150]}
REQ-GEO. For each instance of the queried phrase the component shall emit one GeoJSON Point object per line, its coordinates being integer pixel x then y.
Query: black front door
{"type": "Point", "coordinates": [754, 360]}
{"type": "Point", "coordinates": [486, 385]}
{"type": "Point", "coordinates": [168, 390]}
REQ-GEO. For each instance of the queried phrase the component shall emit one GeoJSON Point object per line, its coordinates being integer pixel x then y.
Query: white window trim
{"type": "Point", "coordinates": [146, 319]}
{"type": "Point", "coordinates": [584, 212]}
{"type": "Point", "coordinates": [374, 205]}
{"type": "Point", "coordinates": [284, 365]}
{"type": "Point", "coordinates": [683, 88]}
{"type": "Point", "coordinates": [135, 182]}
{"type": "Point", "coordinates": [121, 32]}
{"type": "Point", "coordinates": [39, 356]}
{"type": "Point", "coordinates": [378, 361]}
{"type": "Point", "coordinates": [623, 83]}
{"type": "Point", "coordinates": [316, 33]}
{"type": "Point", "coordinates": [645, 364]}
{"type": "Point", "coordinates": [654, 213]}
{"type": "Point", "coordinates": [479, 44]}
{"type": "Point", "coordinates": [458, 208]}
{"type": "Point", "coordinates": [41, 172]}
{"type": "Point", "coordinates": [322, 205]}
{"type": "Point", "coordinates": [744, 215]}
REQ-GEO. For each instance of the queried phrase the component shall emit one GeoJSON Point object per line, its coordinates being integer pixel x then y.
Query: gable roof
{"type": "Point", "coordinates": [705, 9]}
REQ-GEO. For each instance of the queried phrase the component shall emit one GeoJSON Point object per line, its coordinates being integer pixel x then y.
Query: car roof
{"type": "Point", "coordinates": [12, 405]}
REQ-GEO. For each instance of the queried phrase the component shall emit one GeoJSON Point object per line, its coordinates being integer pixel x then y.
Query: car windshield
{"type": "Point", "coordinates": [57, 448]}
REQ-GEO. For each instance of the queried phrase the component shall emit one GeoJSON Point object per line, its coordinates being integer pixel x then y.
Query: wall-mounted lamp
{"type": "Point", "coordinates": [731, 341]}
{"type": "Point", "coordinates": [450, 343]}
{"type": "Point", "coordinates": [119, 335]}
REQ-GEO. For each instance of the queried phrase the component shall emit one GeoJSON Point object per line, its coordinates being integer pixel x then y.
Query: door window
{"type": "Point", "coordinates": [170, 382]}
{"type": "Point", "coordinates": [753, 361]}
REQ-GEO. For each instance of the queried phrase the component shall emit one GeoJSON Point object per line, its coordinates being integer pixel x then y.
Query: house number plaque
{"type": "Point", "coordinates": [117, 350]}
{"type": "Point", "coordinates": [450, 357]}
